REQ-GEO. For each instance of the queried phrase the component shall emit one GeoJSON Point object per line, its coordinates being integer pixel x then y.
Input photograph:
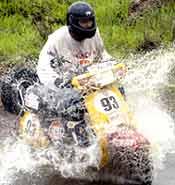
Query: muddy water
{"type": "Point", "coordinates": [144, 85]}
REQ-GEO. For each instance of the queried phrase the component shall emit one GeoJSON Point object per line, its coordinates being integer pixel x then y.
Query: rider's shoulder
{"type": "Point", "coordinates": [59, 33]}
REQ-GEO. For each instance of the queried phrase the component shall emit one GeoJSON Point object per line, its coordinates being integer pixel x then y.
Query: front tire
{"type": "Point", "coordinates": [9, 93]}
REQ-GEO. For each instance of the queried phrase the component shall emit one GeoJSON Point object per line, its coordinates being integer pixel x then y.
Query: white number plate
{"type": "Point", "coordinates": [105, 78]}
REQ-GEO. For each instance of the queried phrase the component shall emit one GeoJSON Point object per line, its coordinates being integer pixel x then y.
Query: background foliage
{"type": "Point", "coordinates": [25, 25]}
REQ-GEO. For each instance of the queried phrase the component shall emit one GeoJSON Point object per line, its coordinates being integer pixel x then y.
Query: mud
{"type": "Point", "coordinates": [7, 123]}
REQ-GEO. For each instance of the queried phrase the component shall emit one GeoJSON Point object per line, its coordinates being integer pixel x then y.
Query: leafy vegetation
{"type": "Point", "coordinates": [25, 25]}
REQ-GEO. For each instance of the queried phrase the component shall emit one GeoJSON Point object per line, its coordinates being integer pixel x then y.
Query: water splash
{"type": "Point", "coordinates": [13, 159]}
{"type": "Point", "coordinates": [149, 71]}
{"type": "Point", "coordinates": [147, 76]}
{"type": "Point", "coordinates": [18, 161]}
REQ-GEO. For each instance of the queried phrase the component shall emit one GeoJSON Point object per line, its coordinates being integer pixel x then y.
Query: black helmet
{"type": "Point", "coordinates": [81, 11]}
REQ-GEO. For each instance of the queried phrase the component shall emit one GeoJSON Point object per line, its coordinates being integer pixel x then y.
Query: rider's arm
{"type": "Point", "coordinates": [106, 56]}
{"type": "Point", "coordinates": [46, 73]}
{"type": "Point", "coordinates": [102, 51]}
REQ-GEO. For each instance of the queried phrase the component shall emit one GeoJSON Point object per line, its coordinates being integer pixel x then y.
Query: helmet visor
{"type": "Point", "coordinates": [86, 23]}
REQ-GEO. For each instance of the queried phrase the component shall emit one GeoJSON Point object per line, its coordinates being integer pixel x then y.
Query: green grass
{"type": "Point", "coordinates": [18, 37]}
{"type": "Point", "coordinates": [25, 25]}
{"type": "Point", "coordinates": [128, 34]}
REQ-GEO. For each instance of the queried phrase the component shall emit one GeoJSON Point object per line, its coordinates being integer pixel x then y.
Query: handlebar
{"type": "Point", "coordinates": [99, 76]}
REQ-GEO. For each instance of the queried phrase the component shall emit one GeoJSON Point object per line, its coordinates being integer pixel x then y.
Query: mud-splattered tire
{"type": "Point", "coordinates": [130, 167]}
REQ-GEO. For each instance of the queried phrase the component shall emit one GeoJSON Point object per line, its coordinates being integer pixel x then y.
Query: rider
{"type": "Point", "coordinates": [78, 42]}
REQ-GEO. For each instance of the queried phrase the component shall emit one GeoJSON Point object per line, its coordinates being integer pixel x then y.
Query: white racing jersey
{"type": "Point", "coordinates": [61, 44]}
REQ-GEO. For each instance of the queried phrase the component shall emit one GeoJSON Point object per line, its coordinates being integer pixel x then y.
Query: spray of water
{"type": "Point", "coordinates": [17, 160]}
{"type": "Point", "coordinates": [145, 76]}
{"type": "Point", "coordinates": [14, 158]}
